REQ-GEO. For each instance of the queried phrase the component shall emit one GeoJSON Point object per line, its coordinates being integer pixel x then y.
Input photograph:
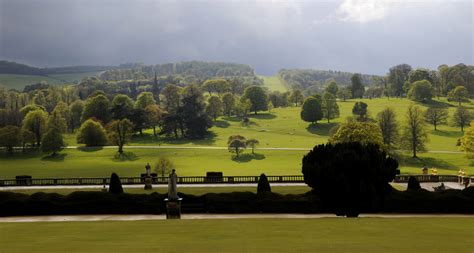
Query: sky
{"type": "Point", "coordinates": [367, 36]}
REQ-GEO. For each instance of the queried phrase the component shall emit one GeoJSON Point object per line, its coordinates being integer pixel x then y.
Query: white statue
{"type": "Point", "coordinates": [172, 188]}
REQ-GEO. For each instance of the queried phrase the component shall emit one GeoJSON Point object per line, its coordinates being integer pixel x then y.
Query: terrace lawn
{"type": "Point", "coordinates": [243, 235]}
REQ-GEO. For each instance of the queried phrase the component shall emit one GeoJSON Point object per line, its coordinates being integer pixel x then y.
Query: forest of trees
{"type": "Point", "coordinates": [7, 67]}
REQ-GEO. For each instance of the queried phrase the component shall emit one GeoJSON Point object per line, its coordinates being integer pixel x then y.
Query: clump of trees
{"type": "Point", "coordinates": [92, 133]}
{"type": "Point", "coordinates": [311, 111]}
{"type": "Point", "coordinates": [238, 143]}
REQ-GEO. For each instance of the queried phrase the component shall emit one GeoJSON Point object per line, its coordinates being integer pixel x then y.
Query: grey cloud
{"type": "Point", "coordinates": [268, 35]}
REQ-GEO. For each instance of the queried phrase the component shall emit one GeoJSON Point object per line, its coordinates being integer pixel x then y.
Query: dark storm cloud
{"type": "Point", "coordinates": [366, 36]}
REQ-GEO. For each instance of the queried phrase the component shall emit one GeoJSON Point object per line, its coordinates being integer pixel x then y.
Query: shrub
{"type": "Point", "coordinates": [115, 186]}
{"type": "Point", "coordinates": [263, 184]}
{"type": "Point", "coordinates": [413, 183]}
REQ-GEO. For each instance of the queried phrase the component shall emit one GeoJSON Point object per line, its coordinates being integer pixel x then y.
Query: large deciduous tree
{"type": "Point", "coordinates": [10, 137]}
{"type": "Point", "coordinates": [311, 110]}
{"type": "Point", "coordinates": [144, 99]}
{"type": "Point", "coordinates": [122, 107]}
{"type": "Point", "coordinates": [36, 122]}
{"type": "Point", "coordinates": [214, 107]}
{"type": "Point", "coordinates": [360, 109]}
{"type": "Point", "coordinates": [363, 132]}
{"type": "Point", "coordinates": [194, 118]}
{"type": "Point", "coordinates": [296, 97]}
{"type": "Point", "coordinates": [397, 76]}
{"type": "Point", "coordinates": [236, 144]}
{"type": "Point", "coordinates": [154, 115]}
{"type": "Point", "coordinates": [357, 88]}
{"type": "Point", "coordinates": [387, 121]}
{"type": "Point", "coordinates": [257, 98]}
{"type": "Point", "coordinates": [459, 94]}
{"type": "Point", "coordinates": [119, 132]}
{"type": "Point", "coordinates": [436, 116]}
{"type": "Point", "coordinates": [97, 107]}
{"type": "Point", "coordinates": [228, 102]}
{"type": "Point", "coordinates": [467, 141]}
{"type": "Point", "coordinates": [91, 133]}
{"type": "Point", "coordinates": [421, 91]}
{"type": "Point", "coordinates": [462, 117]}
{"type": "Point", "coordinates": [329, 106]}
{"type": "Point", "coordinates": [414, 135]}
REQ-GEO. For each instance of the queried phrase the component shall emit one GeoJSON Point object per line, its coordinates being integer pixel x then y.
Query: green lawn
{"type": "Point", "coordinates": [243, 235]}
{"type": "Point", "coordinates": [273, 83]}
{"type": "Point", "coordinates": [280, 128]}
{"type": "Point", "coordinates": [18, 82]}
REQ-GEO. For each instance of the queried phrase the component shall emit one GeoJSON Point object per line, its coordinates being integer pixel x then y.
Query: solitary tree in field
{"type": "Point", "coordinates": [119, 132]}
{"type": "Point", "coordinates": [329, 106]}
{"type": "Point", "coordinates": [214, 107]}
{"type": "Point", "coordinates": [459, 94]}
{"type": "Point", "coordinates": [252, 143]}
{"type": "Point", "coordinates": [387, 121]}
{"type": "Point", "coordinates": [436, 116]}
{"type": "Point", "coordinates": [360, 109]}
{"type": "Point", "coordinates": [311, 110]}
{"type": "Point", "coordinates": [414, 134]}
{"type": "Point", "coordinates": [462, 117]}
{"type": "Point", "coordinates": [237, 144]}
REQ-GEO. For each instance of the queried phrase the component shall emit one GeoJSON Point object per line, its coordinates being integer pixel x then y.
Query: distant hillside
{"type": "Point", "coordinates": [305, 78]}
{"type": "Point", "coordinates": [194, 69]}
{"type": "Point", "coordinates": [8, 67]}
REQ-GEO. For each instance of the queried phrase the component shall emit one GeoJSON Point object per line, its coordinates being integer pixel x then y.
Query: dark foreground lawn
{"type": "Point", "coordinates": [243, 235]}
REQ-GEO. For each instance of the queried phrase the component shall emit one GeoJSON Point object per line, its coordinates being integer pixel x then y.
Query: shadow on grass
{"type": "Point", "coordinates": [244, 158]}
{"type": "Point", "coordinates": [19, 154]}
{"type": "Point", "coordinates": [456, 134]}
{"type": "Point", "coordinates": [54, 158]}
{"type": "Point", "coordinates": [232, 118]}
{"type": "Point", "coordinates": [89, 149]}
{"type": "Point", "coordinates": [221, 124]}
{"type": "Point", "coordinates": [125, 157]}
{"type": "Point", "coordinates": [151, 139]}
{"type": "Point", "coordinates": [262, 116]}
{"type": "Point", "coordinates": [428, 161]}
{"type": "Point", "coordinates": [437, 104]}
{"type": "Point", "coordinates": [321, 129]}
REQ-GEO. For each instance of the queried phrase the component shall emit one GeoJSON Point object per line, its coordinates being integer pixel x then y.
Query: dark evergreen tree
{"type": "Point", "coordinates": [357, 88]}
{"type": "Point", "coordinates": [115, 186]}
{"type": "Point", "coordinates": [413, 183]}
{"type": "Point", "coordinates": [194, 118]}
{"type": "Point", "coordinates": [350, 178]}
{"type": "Point", "coordinates": [263, 184]}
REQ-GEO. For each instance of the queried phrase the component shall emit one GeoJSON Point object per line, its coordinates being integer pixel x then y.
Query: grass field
{"type": "Point", "coordinates": [282, 128]}
{"type": "Point", "coordinates": [243, 235]}
{"type": "Point", "coordinates": [273, 83]}
{"type": "Point", "coordinates": [20, 81]}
